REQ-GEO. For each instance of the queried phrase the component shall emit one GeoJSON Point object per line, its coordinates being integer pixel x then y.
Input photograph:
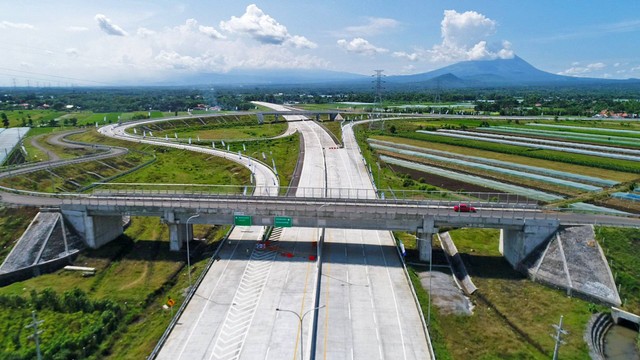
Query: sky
{"type": "Point", "coordinates": [118, 42]}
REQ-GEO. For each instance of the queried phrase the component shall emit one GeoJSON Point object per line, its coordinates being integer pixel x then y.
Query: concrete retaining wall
{"type": "Point", "coordinates": [38, 269]}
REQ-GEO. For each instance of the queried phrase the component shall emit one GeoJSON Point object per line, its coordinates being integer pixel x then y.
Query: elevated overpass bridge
{"type": "Point", "coordinates": [524, 226]}
{"type": "Point", "coordinates": [308, 114]}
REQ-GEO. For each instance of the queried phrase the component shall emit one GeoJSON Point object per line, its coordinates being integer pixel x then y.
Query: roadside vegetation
{"type": "Point", "coordinates": [221, 127]}
{"type": "Point", "coordinates": [13, 222]}
{"type": "Point", "coordinates": [512, 316]}
{"type": "Point", "coordinates": [621, 247]}
{"type": "Point", "coordinates": [135, 274]}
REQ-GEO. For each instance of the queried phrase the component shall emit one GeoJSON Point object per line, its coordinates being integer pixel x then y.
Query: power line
{"type": "Point", "coordinates": [55, 76]}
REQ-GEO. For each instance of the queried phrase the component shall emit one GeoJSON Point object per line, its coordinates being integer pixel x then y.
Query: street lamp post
{"type": "Point", "coordinates": [300, 319]}
{"type": "Point", "coordinates": [188, 255]}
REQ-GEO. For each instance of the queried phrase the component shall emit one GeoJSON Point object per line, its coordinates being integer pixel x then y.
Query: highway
{"type": "Point", "coordinates": [287, 280]}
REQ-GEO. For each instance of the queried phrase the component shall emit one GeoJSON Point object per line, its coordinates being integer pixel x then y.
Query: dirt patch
{"type": "Point", "coordinates": [446, 296]}
{"type": "Point", "coordinates": [447, 183]}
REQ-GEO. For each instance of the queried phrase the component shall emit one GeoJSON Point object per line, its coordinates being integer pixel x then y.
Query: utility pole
{"type": "Point", "coordinates": [36, 333]}
{"type": "Point", "coordinates": [559, 332]}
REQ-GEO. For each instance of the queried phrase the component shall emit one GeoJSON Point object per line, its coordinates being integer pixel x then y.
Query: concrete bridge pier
{"type": "Point", "coordinates": [517, 244]}
{"type": "Point", "coordinates": [425, 237]}
{"type": "Point", "coordinates": [177, 230]}
{"type": "Point", "coordinates": [96, 230]}
{"type": "Point", "coordinates": [178, 235]}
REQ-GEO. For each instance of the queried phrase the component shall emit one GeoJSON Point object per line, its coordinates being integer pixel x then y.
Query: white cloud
{"type": "Point", "coordinates": [144, 32]}
{"type": "Point", "coordinates": [408, 69]}
{"type": "Point", "coordinates": [156, 53]}
{"type": "Point", "coordinates": [465, 37]}
{"type": "Point", "coordinates": [360, 46]}
{"type": "Point", "coordinates": [210, 32]}
{"type": "Point", "coordinates": [465, 29]}
{"type": "Point", "coordinates": [77, 28]}
{"type": "Point", "coordinates": [108, 27]}
{"type": "Point", "coordinates": [72, 52]}
{"type": "Point", "coordinates": [8, 24]}
{"type": "Point", "coordinates": [411, 57]}
{"type": "Point", "coordinates": [373, 27]}
{"type": "Point", "coordinates": [204, 62]}
{"type": "Point", "coordinates": [577, 70]}
{"type": "Point", "coordinates": [264, 29]}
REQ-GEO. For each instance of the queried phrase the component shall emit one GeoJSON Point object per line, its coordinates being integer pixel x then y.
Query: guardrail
{"type": "Point", "coordinates": [312, 192]}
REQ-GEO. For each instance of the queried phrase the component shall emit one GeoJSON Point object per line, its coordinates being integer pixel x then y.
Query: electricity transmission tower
{"type": "Point", "coordinates": [378, 86]}
{"type": "Point", "coordinates": [378, 89]}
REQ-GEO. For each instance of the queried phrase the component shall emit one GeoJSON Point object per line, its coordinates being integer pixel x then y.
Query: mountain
{"type": "Point", "coordinates": [513, 72]}
{"type": "Point", "coordinates": [490, 73]}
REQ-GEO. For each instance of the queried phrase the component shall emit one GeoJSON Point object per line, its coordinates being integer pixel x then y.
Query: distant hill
{"type": "Point", "coordinates": [268, 77]}
{"type": "Point", "coordinates": [490, 73]}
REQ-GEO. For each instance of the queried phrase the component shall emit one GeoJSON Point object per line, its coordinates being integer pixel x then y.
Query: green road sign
{"type": "Point", "coordinates": [282, 221]}
{"type": "Point", "coordinates": [242, 220]}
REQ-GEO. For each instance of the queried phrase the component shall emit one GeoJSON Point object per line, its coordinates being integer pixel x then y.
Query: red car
{"type": "Point", "coordinates": [464, 208]}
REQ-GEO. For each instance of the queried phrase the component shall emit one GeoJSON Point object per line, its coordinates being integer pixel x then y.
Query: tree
{"type": "Point", "coordinates": [5, 120]}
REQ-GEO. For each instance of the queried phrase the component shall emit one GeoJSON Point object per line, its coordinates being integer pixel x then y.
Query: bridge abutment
{"type": "Point", "coordinates": [96, 230]}
{"type": "Point", "coordinates": [517, 244]}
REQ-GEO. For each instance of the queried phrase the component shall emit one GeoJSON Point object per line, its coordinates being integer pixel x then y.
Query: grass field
{"type": "Point", "coordinates": [13, 222]}
{"type": "Point", "coordinates": [37, 117]}
{"type": "Point", "coordinates": [512, 316]}
{"type": "Point", "coordinates": [517, 159]}
{"type": "Point", "coordinates": [138, 275]}
{"type": "Point", "coordinates": [622, 246]}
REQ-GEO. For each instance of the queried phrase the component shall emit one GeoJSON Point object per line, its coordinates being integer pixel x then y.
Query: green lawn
{"type": "Point", "coordinates": [622, 248]}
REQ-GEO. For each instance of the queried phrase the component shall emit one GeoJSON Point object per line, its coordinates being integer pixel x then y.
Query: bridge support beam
{"type": "Point", "coordinates": [332, 117]}
{"type": "Point", "coordinates": [96, 230]}
{"type": "Point", "coordinates": [516, 245]}
{"type": "Point", "coordinates": [425, 238]}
